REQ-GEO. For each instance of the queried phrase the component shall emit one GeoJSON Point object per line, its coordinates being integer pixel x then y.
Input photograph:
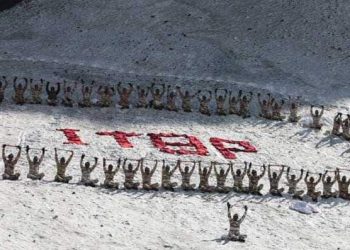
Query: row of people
{"type": "Point", "coordinates": [238, 105]}
{"type": "Point", "coordinates": [186, 172]}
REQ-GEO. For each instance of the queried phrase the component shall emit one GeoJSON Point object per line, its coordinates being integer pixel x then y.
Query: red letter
{"type": "Point", "coordinates": [218, 143]}
{"type": "Point", "coordinates": [192, 147]}
{"type": "Point", "coordinates": [72, 136]}
{"type": "Point", "coordinates": [120, 137]}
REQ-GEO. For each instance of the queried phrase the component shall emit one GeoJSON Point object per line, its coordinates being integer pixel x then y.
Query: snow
{"type": "Point", "coordinates": [286, 47]}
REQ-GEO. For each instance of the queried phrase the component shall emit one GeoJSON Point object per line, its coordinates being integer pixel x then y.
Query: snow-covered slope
{"type": "Point", "coordinates": [287, 47]}
{"type": "Point", "coordinates": [290, 47]}
{"type": "Point", "coordinates": [47, 215]}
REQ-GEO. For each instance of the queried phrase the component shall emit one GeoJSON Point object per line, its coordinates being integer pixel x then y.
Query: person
{"type": "Point", "coordinates": [86, 171]}
{"type": "Point", "coordinates": [86, 91]}
{"type": "Point", "coordinates": [238, 178]}
{"type": "Point", "coordinates": [19, 98]}
{"type": "Point", "coordinates": [34, 165]}
{"type": "Point", "coordinates": [337, 123]}
{"type": "Point", "coordinates": [274, 180]}
{"type": "Point", "coordinates": [220, 102]}
{"type": "Point", "coordinates": [235, 224]}
{"type": "Point", "coordinates": [204, 103]}
{"type": "Point", "coordinates": [292, 183]}
{"type": "Point", "coordinates": [343, 186]}
{"type": "Point", "coordinates": [293, 109]}
{"type": "Point", "coordinates": [316, 117]}
{"type": "Point", "coordinates": [346, 128]}
{"type": "Point", "coordinates": [36, 91]}
{"type": "Point", "coordinates": [233, 102]}
{"type": "Point", "coordinates": [3, 86]}
{"type": "Point", "coordinates": [186, 99]}
{"type": "Point", "coordinates": [186, 177]}
{"type": "Point", "coordinates": [10, 163]}
{"type": "Point", "coordinates": [124, 94]}
{"type": "Point", "coordinates": [142, 97]}
{"type": "Point", "coordinates": [129, 173]}
{"type": "Point", "coordinates": [106, 94]}
{"type": "Point", "coordinates": [327, 186]}
{"type": "Point", "coordinates": [311, 186]}
{"type": "Point", "coordinates": [277, 110]}
{"type": "Point", "coordinates": [157, 95]}
{"type": "Point", "coordinates": [61, 166]}
{"type": "Point", "coordinates": [147, 174]}
{"type": "Point", "coordinates": [68, 91]}
{"type": "Point", "coordinates": [254, 178]}
{"type": "Point", "coordinates": [204, 178]}
{"type": "Point", "coordinates": [171, 100]}
{"type": "Point", "coordinates": [52, 93]}
{"type": "Point", "coordinates": [109, 175]}
{"type": "Point", "coordinates": [167, 174]}
{"type": "Point", "coordinates": [265, 106]}
{"type": "Point", "coordinates": [244, 105]}
{"type": "Point", "coordinates": [221, 179]}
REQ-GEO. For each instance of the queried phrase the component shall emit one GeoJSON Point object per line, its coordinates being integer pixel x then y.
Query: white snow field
{"type": "Point", "coordinates": [284, 47]}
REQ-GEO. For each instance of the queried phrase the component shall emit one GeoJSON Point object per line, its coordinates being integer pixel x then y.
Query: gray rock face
{"type": "Point", "coordinates": [289, 47]}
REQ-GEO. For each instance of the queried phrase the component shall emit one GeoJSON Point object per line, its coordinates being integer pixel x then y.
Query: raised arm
{"type": "Point", "coordinates": [179, 91]}
{"type": "Point", "coordinates": [244, 215]}
{"type": "Point", "coordinates": [131, 88]}
{"type": "Point", "coordinates": [154, 168]}
{"type": "Point", "coordinates": [269, 171]}
{"type": "Point", "coordinates": [47, 87]}
{"type": "Point", "coordinates": [215, 171]}
{"type": "Point", "coordinates": [81, 161]}
{"type": "Point", "coordinates": [176, 166]}
{"type": "Point", "coordinates": [281, 172]}
{"type": "Point", "coordinates": [58, 88]}
{"type": "Point", "coordinates": [319, 179]}
{"type": "Point", "coordinates": [42, 155]}
{"type": "Point", "coordinates": [104, 165]}
{"type": "Point", "coordinates": [263, 173]}
{"type": "Point", "coordinates": [18, 155]}
{"type": "Point", "coordinates": [140, 163]}
{"type": "Point", "coordinates": [70, 157]}
{"type": "Point", "coordinates": [95, 165]}
{"type": "Point", "coordinates": [194, 165]}
{"type": "Point", "coordinates": [124, 164]}
{"type": "Point", "coordinates": [3, 153]}
{"type": "Point", "coordinates": [322, 110]}
{"type": "Point", "coordinates": [28, 157]}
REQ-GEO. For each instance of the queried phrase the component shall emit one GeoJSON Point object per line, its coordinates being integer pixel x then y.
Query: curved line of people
{"type": "Point", "coordinates": [237, 104]}
{"type": "Point", "coordinates": [186, 172]}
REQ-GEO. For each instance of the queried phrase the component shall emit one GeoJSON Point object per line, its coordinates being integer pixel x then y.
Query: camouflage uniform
{"type": "Point", "coordinates": [221, 179]}
{"type": "Point", "coordinates": [186, 179]}
{"type": "Point", "coordinates": [346, 129]}
{"type": "Point", "coordinates": [86, 171]}
{"type": "Point", "coordinates": [9, 172]}
{"type": "Point", "coordinates": [343, 187]}
{"type": "Point", "coordinates": [204, 104]}
{"type": "Point", "coordinates": [52, 94]}
{"type": "Point", "coordinates": [36, 91]}
{"type": "Point", "coordinates": [171, 100]}
{"type": "Point", "coordinates": [166, 177]}
{"type": "Point", "coordinates": [61, 169]}
{"type": "Point", "coordinates": [311, 187]}
{"type": "Point", "coordinates": [274, 181]}
{"type": "Point", "coordinates": [316, 119]}
{"type": "Point", "coordinates": [292, 184]}
{"type": "Point", "coordinates": [254, 188]}
{"type": "Point", "coordinates": [186, 100]}
{"type": "Point", "coordinates": [276, 111]}
{"type": "Point", "coordinates": [238, 180]}
{"type": "Point", "coordinates": [124, 95]}
{"type": "Point", "coordinates": [233, 102]}
{"type": "Point", "coordinates": [142, 97]}
{"type": "Point", "coordinates": [130, 175]}
{"type": "Point", "coordinates": [19, 93]}
{"type": "Point", "coordinates": [337, 123]}
{"type": "Point", "coordinates": [34, 167]}
{"type": "Point", "coordinates": [68, 99]}
{"type": "Point", "coordinates": [106, 95]}
{"type": "Point", "coordinates": [157, 102]}
{"type": "Point", "coordinates": [109, 175]}
{"type": "Point", "coordinates": [244, 106]}
{"type": "Point", "coordinates": [146, 178]}
{"type": "Point", "coordinates": [234, 233]}
{"type": "Point", "coordinates": [265, 107]}
{"type": "Point", "coordinates": [204, 179]}
{"type": "Point", "coordinates": [327, 187]}
{"type": "Point", "coordinates": [86, 101]}
{"type": "Point", "coordinates": [220, 103]}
